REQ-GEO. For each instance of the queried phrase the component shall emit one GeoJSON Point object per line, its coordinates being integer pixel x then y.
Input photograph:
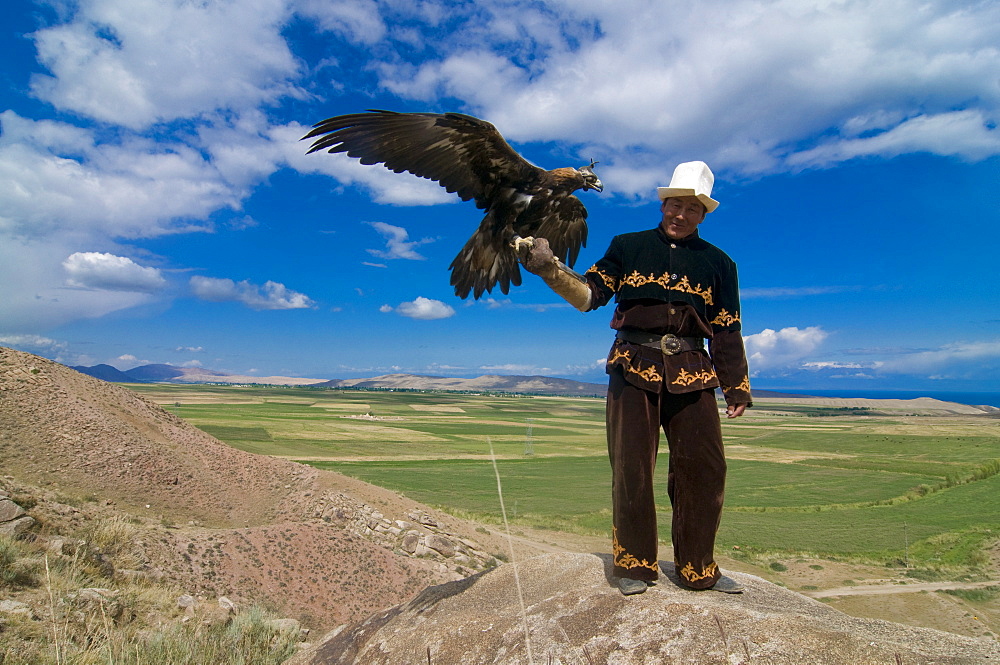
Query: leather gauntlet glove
{"type": "Point", "coordinates": [536, 256]}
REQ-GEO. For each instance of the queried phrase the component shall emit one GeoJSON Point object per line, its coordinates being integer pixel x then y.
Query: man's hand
{"type": "Point", "coordinates": [735, 410]}
{"type": "Point", "coordinates": [536, 256]}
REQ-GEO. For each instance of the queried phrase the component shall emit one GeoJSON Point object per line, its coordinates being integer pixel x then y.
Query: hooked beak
{"type": "Point", "coordinates": [590, 179]}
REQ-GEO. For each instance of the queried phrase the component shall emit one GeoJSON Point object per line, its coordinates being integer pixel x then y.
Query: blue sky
{"type": "Point", "coordinates": [156, 205]}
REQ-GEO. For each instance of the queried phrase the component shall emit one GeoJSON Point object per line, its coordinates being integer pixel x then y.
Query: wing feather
{"type": "Point", "coordinates": [466, 155]}
{"type": "Point", "coordinates": [563, 222]}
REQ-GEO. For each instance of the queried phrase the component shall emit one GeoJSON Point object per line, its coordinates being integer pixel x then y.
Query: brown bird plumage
{"type": "Point", "coordinates": [469, 157]}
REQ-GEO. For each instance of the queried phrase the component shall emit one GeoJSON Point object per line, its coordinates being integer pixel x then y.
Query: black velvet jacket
{"type": "Point", "coordinates": [687, 287]}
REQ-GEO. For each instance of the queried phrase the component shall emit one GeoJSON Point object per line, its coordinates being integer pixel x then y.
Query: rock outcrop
{"type": "Point", "coordinates": [14, 521]}
{"type": "Point", "coordinates": [574, 614]}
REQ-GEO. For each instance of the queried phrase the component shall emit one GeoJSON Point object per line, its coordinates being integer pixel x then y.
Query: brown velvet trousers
{"type": "Point", "coordinates": [696, 477]}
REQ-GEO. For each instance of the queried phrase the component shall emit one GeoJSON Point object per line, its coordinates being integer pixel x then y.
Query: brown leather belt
{"type": "Point", "coordinates": [669, 344]}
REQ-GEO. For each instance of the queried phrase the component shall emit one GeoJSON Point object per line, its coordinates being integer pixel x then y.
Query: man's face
{"type": "Point", "coordinates": [681, 216]}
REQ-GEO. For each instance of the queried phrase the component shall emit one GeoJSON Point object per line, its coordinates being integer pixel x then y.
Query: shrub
{"type": "Point", "coordinates": [980, 595]}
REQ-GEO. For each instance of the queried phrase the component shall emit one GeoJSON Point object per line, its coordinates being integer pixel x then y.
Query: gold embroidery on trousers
{"type": "Point", "coordinates": [625, 560]}
{"type": "Point", "coordinates": [691, 575]}
{"type": "Point", "coordinates": [686, 378]}
{"type": "Point", "coordinates": [725, 318]}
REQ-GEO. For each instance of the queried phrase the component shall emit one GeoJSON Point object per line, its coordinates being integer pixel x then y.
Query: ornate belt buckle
{"type": "Point", "coordinates": [670, 344]}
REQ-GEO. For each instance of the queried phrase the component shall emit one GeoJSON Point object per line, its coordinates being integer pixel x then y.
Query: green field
{"type": "Point", "coordinates": [833, 482]}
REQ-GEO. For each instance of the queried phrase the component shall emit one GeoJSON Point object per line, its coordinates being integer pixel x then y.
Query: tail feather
{"type": "Point", "coordinates": [484, 262]}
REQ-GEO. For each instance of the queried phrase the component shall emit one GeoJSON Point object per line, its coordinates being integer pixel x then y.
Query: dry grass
{"type": "Point", "coordinates": [77, 611]}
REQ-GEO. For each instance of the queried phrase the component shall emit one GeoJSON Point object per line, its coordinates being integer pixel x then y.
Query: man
{"type": "Point", "coordinates": [673, 290]}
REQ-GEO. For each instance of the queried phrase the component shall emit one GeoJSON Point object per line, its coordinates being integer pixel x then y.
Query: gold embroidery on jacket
{"type": "Point", "coordinates": [649, 374]}
{"type": "Point", "coordinates": [608, 280]}
{"type": "Point", "coordinates": [665, 281]}
{"type": "Point", "coordinates": [725, 318]}
{"type": "Point", "coordinates": [744, 386]}
{"type": "Point", "coordinates": [691, 575]}
{"type": "Point", "coordinates": [683, 284]}
{"type": "Point", "coordinates": [686, 378]}
{"type": "Point", "coordinates": [625, 560]}
{"type": "Point", "coordinates": [619, 354]}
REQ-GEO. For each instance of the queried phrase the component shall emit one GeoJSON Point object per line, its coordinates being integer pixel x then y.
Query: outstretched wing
{"type": "Point", "coordinates": [466, 155]}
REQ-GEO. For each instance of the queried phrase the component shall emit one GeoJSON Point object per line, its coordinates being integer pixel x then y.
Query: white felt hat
{"type": "Point", "coordinates": [691, 179]}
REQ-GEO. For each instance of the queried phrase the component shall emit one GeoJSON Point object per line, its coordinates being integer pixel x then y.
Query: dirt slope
{"type": "Point", "coordinates": [318, 545]}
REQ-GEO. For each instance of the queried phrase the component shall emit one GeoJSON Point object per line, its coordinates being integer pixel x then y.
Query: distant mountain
{"type": "Point", "coordinates": [173, 374]}
{"type": "Point", "coordinates": [150, 374]}
{"type": "Point", "coordinates": [105, 373]}
{"type": "Point", "coordinates": [536, 385]}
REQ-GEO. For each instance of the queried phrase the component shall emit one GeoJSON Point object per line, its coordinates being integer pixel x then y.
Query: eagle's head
{"type": "Point", "coordinates": [590, 179]}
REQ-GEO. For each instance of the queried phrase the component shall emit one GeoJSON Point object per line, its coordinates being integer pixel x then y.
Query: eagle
{"type": "Point", "coordinates": [469, 157]}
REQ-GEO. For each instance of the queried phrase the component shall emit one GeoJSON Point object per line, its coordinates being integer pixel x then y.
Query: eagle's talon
{"type": "Point", "coordinates": [520, 242]}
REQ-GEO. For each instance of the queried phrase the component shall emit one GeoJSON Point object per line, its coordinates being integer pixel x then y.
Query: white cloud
{"type": "Point", "coordinates": [793, 292]}
{"type": "Point", "coordinates": [34, 294]}
{"type": "Point", "coordinates": [94, 270]}
{"type": "Point", "coordinates": [969, 134]}
{"type": "Point", "coordinates": [887, 76]}
{"type": "Point", "coordinates": [270, 296]}
{"type": "Point", "coordinates": [782, 349]}
{"type": "Point", "coordinates": [966, 361]}
{"type": "Point", "coordinates": [397, 243]}
{"type": "Point", "coordinates": [357, 20]}
{"type": "Point", "coordinates": [507, 303]}
{"type": "Point", "coordinates": [422, 308]}
{"type": "Point", "coordinates": [137, 62]}
{"type": "Point", "coordinates": [832, 364]}
{"type": "Point", "coordinates": [514, 368]}
{"type": "Point", "coordinates": [32, 342]}
{"type": "Point", "coordinates": [957, 359]}
{"type": "Point", "coordinates": [57, 180]}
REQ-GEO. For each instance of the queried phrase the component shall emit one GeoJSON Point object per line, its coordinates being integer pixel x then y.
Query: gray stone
{"type": "Point", "coordinates": [441, 544]}
{"type": "Point", "coordinates": [17, 527]}
{"type": "Point", "coordinates": [284, 625]}
{"type": "Point", "coordinates": [97, 598]}
{"type": "Point", "coordinates": [572, 613]}
{"type": "Point", "coordinates": [9, 510]}
{"type": "Point", "coordinates": [16, 608]}
{"type": "Point", "coordinates": [410, 542]}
